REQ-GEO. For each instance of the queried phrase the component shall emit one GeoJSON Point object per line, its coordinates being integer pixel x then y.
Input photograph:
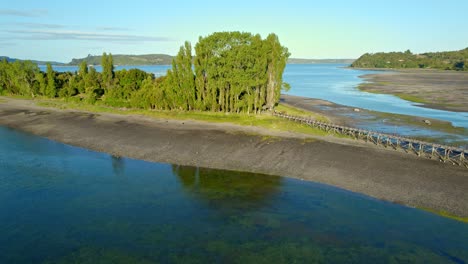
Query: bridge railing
{"type": "Point", "coordinates": [443, 153]}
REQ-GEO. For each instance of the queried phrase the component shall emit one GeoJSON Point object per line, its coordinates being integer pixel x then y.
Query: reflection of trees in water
{"type": "Point", "coordinates": [118, 165]}
{"type": "Point", "coordinates": [228, 188]}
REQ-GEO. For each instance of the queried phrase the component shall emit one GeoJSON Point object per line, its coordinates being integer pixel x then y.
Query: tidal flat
{"type": "Point", "coordinates": [444, 90]}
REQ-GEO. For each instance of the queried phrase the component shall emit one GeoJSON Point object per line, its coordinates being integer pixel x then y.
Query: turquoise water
{"type": "Point", "coordinates": [336, 84]}
{"type": "Point", "coordinates": [62, 204]}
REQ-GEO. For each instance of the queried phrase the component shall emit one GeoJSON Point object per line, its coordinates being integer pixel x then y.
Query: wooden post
{"type": "Point", "coordinates": [430, 150]}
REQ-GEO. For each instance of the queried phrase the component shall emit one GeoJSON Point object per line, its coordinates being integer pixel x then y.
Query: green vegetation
{"type": "Point", "coordinates": [448, 60]}
{"type": "Point", "coordinates": [235, 72]}
{"type": "Point", "coordinates": [33, 61]}
{"type": "Point", "coordinates": [20, 78]}
{"type": "Point", "coordinates": [411, 98]}
{"type": "Point", "coordinates": [405, 120]}
{"type": "Point", "coordinates": [120, 59]}
{"type": "Point", "coordinates": [299, 112]}
{"type": "Point", "coordinates": [445, 214]}
{"type": "Point", "coordinates": [371, 88]}
{"type": "Point", "coordinates": [232, 72]}
{"type": "Point", "coordinates": [263, 120]}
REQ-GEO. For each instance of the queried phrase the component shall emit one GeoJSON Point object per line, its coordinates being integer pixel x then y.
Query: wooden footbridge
{"type": "Point", "coordinates": [446, 154]}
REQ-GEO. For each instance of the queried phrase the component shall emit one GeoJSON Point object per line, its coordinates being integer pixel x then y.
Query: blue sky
{"type": "Point", "coordinates": [62, 30]}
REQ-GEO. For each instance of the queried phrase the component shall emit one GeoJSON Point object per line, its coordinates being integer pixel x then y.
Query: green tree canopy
{"type": "Point", "coordinates": [107, 64]}
{"type": "Point", "coordinates": [51, 90]}
{"type": "Point", "coordinates": [448, 60]}
{"type": "Point", "coordinates": [238, 72]}
{"type": "Point", "coordinates": [230, 72]}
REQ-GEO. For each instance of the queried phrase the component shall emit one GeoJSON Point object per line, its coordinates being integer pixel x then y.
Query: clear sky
{"type": "Point", "coordinates": [62, 30]}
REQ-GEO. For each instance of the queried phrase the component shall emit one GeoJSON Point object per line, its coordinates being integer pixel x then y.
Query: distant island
{"type": "Point", "coordinates": [164, 59]}
{"type": "Point", "coordinates": [157, 59]}
{"type": "Point", "coordinates": [446, 60]}
{"type": "Point", "coordinates": [314, 61]}
{"type": "Point", "coordinates": [121, 59]}
{"type": "Point", "coordinates": [8, 59]}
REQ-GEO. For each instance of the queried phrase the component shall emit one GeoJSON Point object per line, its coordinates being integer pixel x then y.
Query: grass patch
{"type": "Point", "coordinates": [371, 88]}
{"type": "Point", "coordinates": [411, 98]}
{"type": "Point", "coordinates": [445, 214]}
{"type": "Point", "coordinates": [308, 140]}
{"type": "Point", "coordinates": [270, 139]}
{"type": "Point", "coordinates": [299, 112]}
{"type": "Point", "coordinates": [265, 120]}
{"type": "Point", "coordinates": [406, 120]}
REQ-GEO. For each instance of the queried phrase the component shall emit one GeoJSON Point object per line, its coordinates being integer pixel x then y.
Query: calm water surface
{"type": "Point", "coordinates": [62, 204]}
{"type": "Point", "coordinates": [334, 83]}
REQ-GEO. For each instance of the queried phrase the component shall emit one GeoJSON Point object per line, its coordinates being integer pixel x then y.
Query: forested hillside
{"type": "Point", "coordinates": [448, 60]}
{"type": "Point", "coordinates": [162, 59]}
{"type": "Point", "coordinates": [231, 72]}
{"type": "Point", "coordinates": [148, 59]}
{"type": "Point", "coordinates": [33, 61]}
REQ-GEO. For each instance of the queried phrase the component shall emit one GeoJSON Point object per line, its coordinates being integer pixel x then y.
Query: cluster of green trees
{"type": "Point", "coordinates": [26, 79]}
{"type": "Point", "coordinates": [231, 72]}
{"type": "Point", "coordinates": [449, 60]}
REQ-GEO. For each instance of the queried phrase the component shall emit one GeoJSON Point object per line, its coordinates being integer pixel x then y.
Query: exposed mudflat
{"type": "Point", "coordinates": [444, 90]}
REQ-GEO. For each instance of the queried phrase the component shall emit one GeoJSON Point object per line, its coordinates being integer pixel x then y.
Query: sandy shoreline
{"type": "Point", "coordinates": [359, 167]}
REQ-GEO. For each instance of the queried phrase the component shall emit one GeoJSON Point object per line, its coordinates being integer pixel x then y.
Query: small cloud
{"type": "Point", "coordinates": [82, 35]}
{"type": "Point", "coordinates": [38, 25]}
{"type": "Point", "coordinates": [23, 13]}
{"type": "Point", "coordinates": [112, 29]}
{"type": "Point", "coordinates": [7, 44]}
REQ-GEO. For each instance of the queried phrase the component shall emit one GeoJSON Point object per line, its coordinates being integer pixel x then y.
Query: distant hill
{"type": "Point", "coordinates": [446, 60]}
{"type": "Point", "coordinates": [119, 59]}
{"type": "Point", "coordinates": [34, 61]}
{"type": "Point", "coordinates": [7, 58]}
{"type": "Point", "coordinates": [162, 59]}
{"type": "Point", "coordinates": [313, 61]}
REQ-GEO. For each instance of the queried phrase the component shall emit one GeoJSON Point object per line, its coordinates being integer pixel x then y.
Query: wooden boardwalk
{"type": "Point", "coordinates": [446, 154]}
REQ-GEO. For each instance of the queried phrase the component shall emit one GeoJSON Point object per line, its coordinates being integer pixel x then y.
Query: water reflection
{"type": "Point", "coordinates": [228, 189]}
{"type": "Point", "coordinates": [118, 165]}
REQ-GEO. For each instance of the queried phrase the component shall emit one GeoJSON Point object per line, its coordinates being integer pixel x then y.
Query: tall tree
{"type": "Point", "coordinates": [83, 69]}
{"type": "Point", "coordinates": [107, 63]}
{"type": "Point", "coordinates": [4, 65]}
{"type": "Point", "coordinates": [182, 78]}
{"type": "Point", "coordinates": [51, 90]}
{"type": "Point", "coordinates": [92, 85]}
{"type": "Point", "coordinates": [239, 71]}
{"type": "Point", "coordinates": [277, 58]}
{"type": "Point", "coordinates": [81, 78]}
{"type": "Point", "coordinates": [42, 83]}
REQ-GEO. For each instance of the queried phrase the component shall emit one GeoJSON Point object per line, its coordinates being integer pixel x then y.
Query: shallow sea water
{"type": "Point", "coordinates": [63, 204]}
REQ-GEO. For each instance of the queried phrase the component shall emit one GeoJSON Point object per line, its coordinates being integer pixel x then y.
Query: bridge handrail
{"type": "Point", "coordinates": [453, 154]}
